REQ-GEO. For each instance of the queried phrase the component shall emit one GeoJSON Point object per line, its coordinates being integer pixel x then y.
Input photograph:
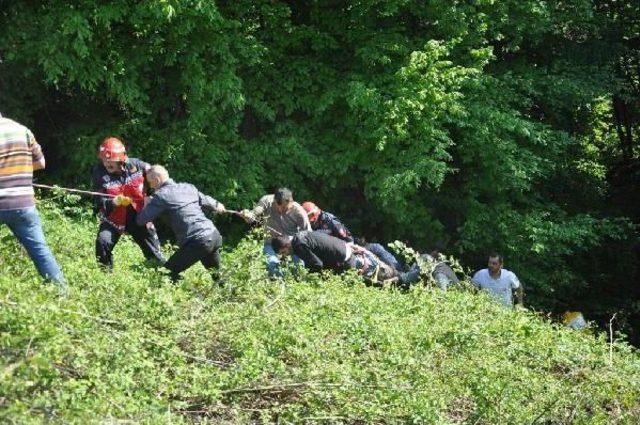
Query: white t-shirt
{"type": "Point", "coordinates": [501, 288]}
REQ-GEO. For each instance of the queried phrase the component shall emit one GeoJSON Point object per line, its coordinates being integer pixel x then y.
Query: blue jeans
{"type": "Point", "coordinates": [26, 226]}
{"type": "Point", "coordinates": [413, 275]}
{"type": "Point", "coordinates": [380, 252]}
{"type": "Point", "coordinates": [273, 261]}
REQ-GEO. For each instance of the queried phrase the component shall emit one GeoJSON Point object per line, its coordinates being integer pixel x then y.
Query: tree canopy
{"type": "Point", "coordinates": [479, 125]}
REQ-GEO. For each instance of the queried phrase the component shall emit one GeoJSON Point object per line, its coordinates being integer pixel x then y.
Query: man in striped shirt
{"type": "Point", "coordinates": [20, 155]}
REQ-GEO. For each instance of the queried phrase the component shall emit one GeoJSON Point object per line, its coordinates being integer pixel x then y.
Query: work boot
{"type": "Point", "coordinates": [61, 286]}
{"type": "Point", "coordinates": [218, 278]}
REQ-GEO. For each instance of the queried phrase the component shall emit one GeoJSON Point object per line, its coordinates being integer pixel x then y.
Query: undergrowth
{"type": "Point", "coordinates": [130, 345]}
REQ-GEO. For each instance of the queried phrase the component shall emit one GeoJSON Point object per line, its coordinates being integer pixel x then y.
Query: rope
{"type": "Point", "coordinates": [66, 189]}
{"type": "Point", "coordinates": [90, 193]}
{"type": "Point", "coordinates": [253, 220]}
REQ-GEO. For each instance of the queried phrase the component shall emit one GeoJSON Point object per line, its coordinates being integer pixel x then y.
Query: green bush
{"type": "Point", "coordinates": [129, 345]}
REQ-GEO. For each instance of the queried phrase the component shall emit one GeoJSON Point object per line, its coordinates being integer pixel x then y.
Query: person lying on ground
{"type": "Point", "coordinates": [382, 253]}
{"type": "Point", "coordinates": [320, 251]}
{"type": "Point", "coordinates": [442, 273]}
{"type": "Point", "coordinates": [323, 221]}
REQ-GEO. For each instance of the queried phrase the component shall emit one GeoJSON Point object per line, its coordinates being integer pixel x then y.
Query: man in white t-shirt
{"type": "Point", "coordinates": [499, 282]}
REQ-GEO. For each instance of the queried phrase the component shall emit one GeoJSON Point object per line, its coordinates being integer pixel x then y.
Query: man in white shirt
{"type": "Point", "coordinates": [499, 282]}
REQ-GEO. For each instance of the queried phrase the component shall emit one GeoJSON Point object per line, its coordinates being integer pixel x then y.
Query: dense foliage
{"type": "Point", "coordinates": [131, 346]}
{"type": "Point", "coordinates": [479, 124]}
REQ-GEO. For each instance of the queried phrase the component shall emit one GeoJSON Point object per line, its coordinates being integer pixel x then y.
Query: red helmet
{"type": "Point", "coordinates": [312, 210]}
{"type": "Point", "coordinates": [112, 149]}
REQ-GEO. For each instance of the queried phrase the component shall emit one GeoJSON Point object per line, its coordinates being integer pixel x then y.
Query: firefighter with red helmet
{"type": "Point", "coordinates": [123, 179]}
{"type": "Point", "coordinates": [325, 222]}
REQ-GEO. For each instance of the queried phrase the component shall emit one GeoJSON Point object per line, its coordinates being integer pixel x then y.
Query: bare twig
{"type": "Point", "coordinates": [283, 290]}
{"type": "Point", "coordinates": [575, 409]}
{"type": "Point", "coordinates": [611, 338]}
{"type": "Point", "coordinates": [198, 359]}
{"type": "Point", "coordinates": [234, 212]}
{"type": "Point", "coordinates": [26, 352]}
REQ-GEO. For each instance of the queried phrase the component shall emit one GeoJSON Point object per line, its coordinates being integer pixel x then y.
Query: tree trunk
{"type": "Point", "coordinates": [624, 127]}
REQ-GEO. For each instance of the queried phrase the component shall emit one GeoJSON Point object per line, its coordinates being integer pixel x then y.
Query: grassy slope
{"type": "Point", "coordinates": [130, 345]}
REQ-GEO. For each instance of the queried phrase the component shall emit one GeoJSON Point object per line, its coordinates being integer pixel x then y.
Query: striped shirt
{"type": "Point", "coordinates": [19, 152]}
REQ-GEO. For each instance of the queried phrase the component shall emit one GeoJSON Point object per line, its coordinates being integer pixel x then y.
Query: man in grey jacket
{"type": "Point", "coordinates": [197, 237]}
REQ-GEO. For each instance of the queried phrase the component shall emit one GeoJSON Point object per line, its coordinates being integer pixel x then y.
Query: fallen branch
{"type": "Point", "coordinates": [87, 316]}
{"type": "Point", "coordinates": [279, 387]}
{"type": "Point", "coordinates": [326, 418]}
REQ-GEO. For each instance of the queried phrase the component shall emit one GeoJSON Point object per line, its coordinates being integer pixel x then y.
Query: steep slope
{"type": "Point", "coordinates": [132, 346]}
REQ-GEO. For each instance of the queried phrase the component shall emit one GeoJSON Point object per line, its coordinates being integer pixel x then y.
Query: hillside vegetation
{"type": "Point", "coordinates": [318, 349]}
{"type": "Point", "coordinates": [477, 125]}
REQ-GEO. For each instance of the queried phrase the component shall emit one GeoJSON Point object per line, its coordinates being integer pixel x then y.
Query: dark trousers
{"type": "Point", "coordinates": [108, 237]}
{"type": "Point", "coordinates": [205, 249]}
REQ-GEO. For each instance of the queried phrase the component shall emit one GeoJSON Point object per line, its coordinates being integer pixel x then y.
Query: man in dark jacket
{"type": "Point", "coordinates": [321, 251]}
{"type": "Point", "coordinates": [197, 237]}
{"type": "Point", "coordinates": [326, 222]}
{"type": "Point", "coordinates": [318, 250]}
